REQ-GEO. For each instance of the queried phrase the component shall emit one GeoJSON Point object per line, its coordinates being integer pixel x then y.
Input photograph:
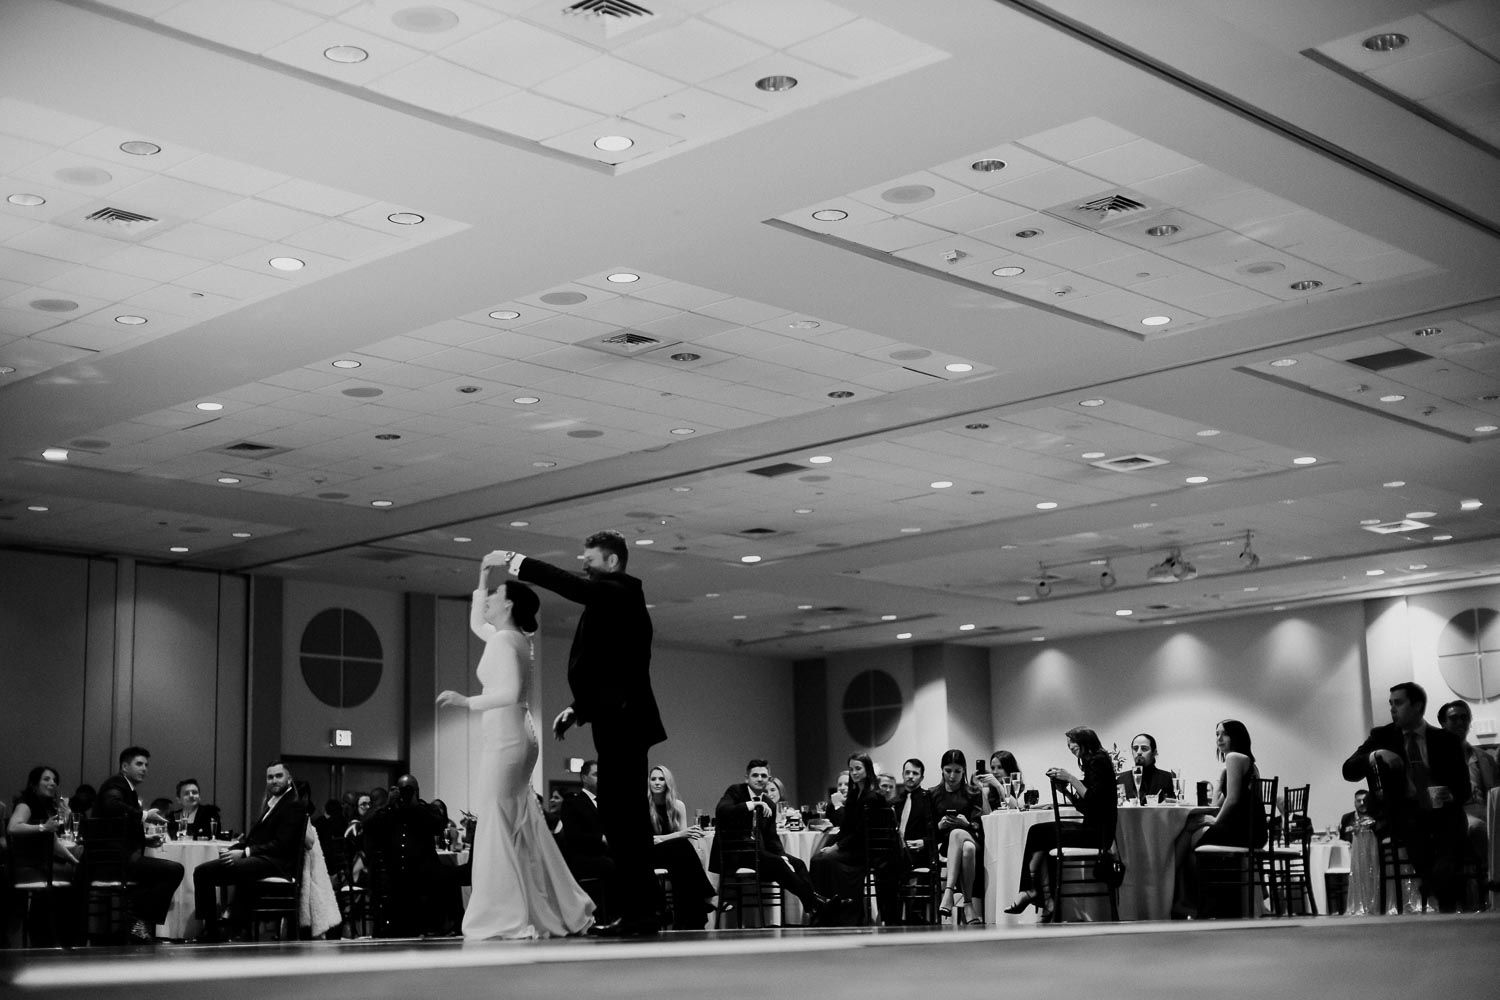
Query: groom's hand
{"type": "Point", "coordinates": [562, 723]}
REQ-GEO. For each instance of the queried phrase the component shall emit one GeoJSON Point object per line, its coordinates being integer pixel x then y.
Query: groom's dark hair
{"type": "Point", "coordinates": [757, 762]}
{"type": "Point", "coordinates": [611, 543]}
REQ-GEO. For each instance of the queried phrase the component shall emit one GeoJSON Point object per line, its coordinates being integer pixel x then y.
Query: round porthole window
{"type": "Point", "coordinates": [872, 708]}
{"type": "Point", "coordinates": [1469, 654]}
{"type": "Point", "coordinates": [342, 659]}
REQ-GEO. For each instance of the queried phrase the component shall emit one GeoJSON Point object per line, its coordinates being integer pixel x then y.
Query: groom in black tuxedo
{"type": "Point", "coordinates": [609, 673]}
{"type": "Point", "coordinates": [272, 848]}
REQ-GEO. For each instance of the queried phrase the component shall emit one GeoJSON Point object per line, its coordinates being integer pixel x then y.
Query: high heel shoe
{"type": "Point", "coordinates": [945, 908]}
{"type": "Point", "coordinates": [1019, 904]}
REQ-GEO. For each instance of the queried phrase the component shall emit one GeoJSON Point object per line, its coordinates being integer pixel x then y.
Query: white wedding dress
{"type": "Point", "coordinates": [522, 887]}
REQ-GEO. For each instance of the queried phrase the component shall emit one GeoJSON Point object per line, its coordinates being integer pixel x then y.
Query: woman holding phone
{"type": "Point", "coordinates": [958, 809]}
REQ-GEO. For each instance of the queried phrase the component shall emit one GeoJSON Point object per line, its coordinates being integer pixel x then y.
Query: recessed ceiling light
{"type": "Point", "coordinates": [406, 218]}
{"type": "Point", "coordinates": [1091, 402]}
{"type": "Point", "coordinates": [1022, 597]}
{"type": "Point", "coordinates": [27, 200]}
{"type": "Point", "coordinates": [178, 548]}
{"type": "Point", "coordinates": [526, 400]}
{"type": "Point", "coordinates": [346, 363]}
{"type": "Point", "coordinates": [1250, 590]}
{"type": "Point", "coordinates": [287, 263]}
{"type": "Point", "coordinates": [1374, 572]}
{"type": "Point", "coordinates": [6, 370]}
{"type": "Point", "coordinates": [1414, 567]}
{"type": "Point", "coordinates": [240, 534]}
{"type": "Point", "coordinates": [1442, 538]}
{"type": "Point", "coordinates": [903, 635]}
{"type": "Point", "coordinates": [1164, 230]}
{"type": "Point", "coordinates": [520, 524]}
{"type": "Point", "coordinates": [1394, 483]}
{"type": "Point", "coordinates": [887, 618]}
{"type": "Point", "coordinates": [682, 489]}
{"type": "Point", "coordinates": [821, 459]}
{"type": "Point", "coordinates": [1427, 331]}
{"type": "Point", "coordinates": [1047, 505]}
{"type": "Point", "coordinates": [1196, 479]}
{"type": "Point", "coordinates": [1470, 504]}
{"type": "Point", "coordinates": [803, 510]}
{"type": "Point", "coordinates": [55, 454]}
{"type": "Point", "coordinates": [1486, 429]}
{"type": "Point", "coordinates": [959, 367]}
{"type": "Point", "coordinates": [128, 320]}
{"type": "Point", "coordinates": [543, 465]}
{"type": "Point", "coordinates": [966, 628]}
{"type": "Point", "coordinates": [1386, 41]}
{"type": "Point", "coordinates": [228, 480]}
{"type": "Point", "coordinates": [803, 324]}
{"type": "Point", "coordinates": [738, 618]}
{"type": "Point", "coordinates": [1208, 433]}
{"type": "Point", "coordinates": [1369, 520]}
{"type": "Point", "coordinates": [841, 394]}
{"type": "Point", "coordinates": [613, 143]}
{"type": "Point", "coordinates": [645, 541]}
{"type": "Point", "coordinates": [685, 356]}
{"type": "Point", "coordinates": [749, 559]}
{"type": "Point", "coordinates": [830, 215]}
{"type": "Point", "coordinates": [1283, 362]}
{"type": "Point", "coordinates": [1304, 460]}
{"type": "Point", "coordinates": [1156, 321]}
{"type": "Point", "coordinates": [1028, 234]}
{"type": "Point", "coordinates": [210, 406]}
{"type": "Point", "coordinates": [1039, 638]}
{"type": "Point", "coordinates": [382, 503]}
{"type": "Point", "coordinates": [505, 314]}
{"type": "Point", "coordinates": [1392, 397]}
{"type": "Point", "coordinates": [1141, 525]}
{"type": "Point", "coordinates": [623, 277]}
{"type": "Point", "coordinates": [1124, 613]}
{"type": "Point", "coordinates": [1092, 455]}
{"type": "Point", "coordinates": [777, 84]}
{"type": "Point", "coordinates": [38, 508]}
{"type": "Point", "coordinates": [1421, 515]}
{"type": "Point", "coordinates": [941, 484]}
{"type": "Point", "coordinates": [1305, 286]}
{"type": "Point", "coordinates": [911, 531]}
{"type": "Point", "coordinates": [683, 431]}
{"type": "Point", "coordinates": [345, 54]}
{"type": "Point", "coordinates": [1008, 272]}
{"type": "Point", "coordinates": [387, 437]}
{"type": "Point", "coordinates": [462, 539]}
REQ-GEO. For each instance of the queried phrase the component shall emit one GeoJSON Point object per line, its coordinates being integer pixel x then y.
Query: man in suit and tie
{"type": "Point", "coordinates": [1350, 821]}
{"type": "Point", "coordinates": [154, 880]}
{"type": "Point", "coordinates": [609, 674]}
{"type": "Point", "coordinates": [271, 848]}
{"type": "Point", "coordinates": [1419, 781]}
{"type": "Point", "coordinates": [1155, 783]}
{"type": "Point", "coordinates": [584, 846]}
{"type": "Point", "coordinates": [744, 814]}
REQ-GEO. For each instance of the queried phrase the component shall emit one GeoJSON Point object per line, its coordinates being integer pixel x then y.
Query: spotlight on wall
{"type": "Point", "coordinates": [1107, 577]}
{"type": "Point", "coordinates": [1248, 558]}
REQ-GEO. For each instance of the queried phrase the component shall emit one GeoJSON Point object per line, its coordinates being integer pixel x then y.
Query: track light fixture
{"type": "Point", "coordinates": [1173, 569]}
{"type": "Point", "coordinates": [1107, 577]}
{"type": "Point", "coordinates": [1248, 558]}
{"type": "Point", "coordinates": [1044, 581]}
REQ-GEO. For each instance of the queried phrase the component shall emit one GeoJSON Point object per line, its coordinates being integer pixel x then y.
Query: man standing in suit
{"type": "Point", "coordinates": [1154, 781]}
{"type": "Point", "coordinates": [609, 673]}
{"type": "Point", "coordinates": [272, 848]}
{"type": "Point", "coordinates": [154, 879]}
{"type": "Point", "coordinates": [584, 846]}
{"type": "Point", "coordinates": [745, 814]}
{"type": "Point", "coordinates": [1350, 821]}
{"type": "Point", "coordinates": [1420, 782]}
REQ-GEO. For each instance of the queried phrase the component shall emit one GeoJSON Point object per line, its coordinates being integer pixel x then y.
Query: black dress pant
{"type": "Point", "coordinates": [156, 880]}
{"type": "Point", "coordinates": [626, 817]}
{"type": "Point", "coordinates": [208, 876]}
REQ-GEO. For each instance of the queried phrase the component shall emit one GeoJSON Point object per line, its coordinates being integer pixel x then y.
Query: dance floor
{"type": "Point", "coordinates": [1452, 957]}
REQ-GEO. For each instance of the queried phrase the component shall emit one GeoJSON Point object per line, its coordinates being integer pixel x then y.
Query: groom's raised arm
{"type": "Point", "coordinates": [569, 586]}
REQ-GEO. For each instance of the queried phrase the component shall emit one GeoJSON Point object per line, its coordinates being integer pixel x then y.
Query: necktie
{"type": "Point", "coordinates": [905, 816]}
{"type": "Point", "coordinates": [1416, 771]}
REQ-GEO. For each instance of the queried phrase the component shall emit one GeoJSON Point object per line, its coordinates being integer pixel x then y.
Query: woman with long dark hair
{"type": "Point", "coordinates": [996, 785]}
{"type": "Point", "coordinates": [839, 865]}
{"type": "Point", "coordinates": [39, 808]}
{"type": "Point", "coordinates": [1239, 819]}
{"type": "Point", "coordinates": [1093, 793]}
{"type": "Point", "coordinates": [672, 848]}
{"type": "Point", "coordinates": [958, 808]}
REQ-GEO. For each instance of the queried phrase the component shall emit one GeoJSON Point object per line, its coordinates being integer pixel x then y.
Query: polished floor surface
{"type": "Point", "coordinates": [1450, 957]}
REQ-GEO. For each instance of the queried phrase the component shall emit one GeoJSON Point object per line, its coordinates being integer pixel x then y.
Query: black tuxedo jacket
{"type": "Point", "coordinates": [116, 798]}
{"type": "Point", "coordinates": [734, 820]}
{"type": "Point", "coordinates": [609, 664]}
{"type": "Point", "coordinates": [1154, 778]}
{"type": "Point", "coordinates": [1348, 823]}
{"type": "Point", "coordinates": [1446, 764]}
{"type": "Point", "coordinates": [582, 831]}
{"type": "Point", "coordinates": [277, 836]}
{"type": "Point", "coordinates": [922, 823]}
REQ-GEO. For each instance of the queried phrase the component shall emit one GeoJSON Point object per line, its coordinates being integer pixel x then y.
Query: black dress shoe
{"type": "Point", "coordinates": [626, 929]}
{"type": "Point", "coordinates": [605, 929]}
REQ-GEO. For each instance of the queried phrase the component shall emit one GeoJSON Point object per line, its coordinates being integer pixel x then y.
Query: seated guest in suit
{"type": "Point", "coordinates": [583, 844]}
{"type": "Point", "coordinates": [193, 818]}
{"type": "Point", "coordinates": [916, 823]}
{"type": "Point", "coordinates": [743, 817]}
{"type": "Point", "coordinates": [271, 848]}
{"type": "Point", "coordinates": [995, 787]}
{"type": "Point", "coordinates": [1484, 773]}
{"type": "Point", "coordinates": [154, 880]}
{"type": "Point", "coordinates": [836, 800]}
{"type": "Point", "coordinates": [1350, 821]}
{"type": "Point", "coordinates": [838, 867]}
{"type": "Point", "coordinates": [1094, 794]}
{"type": "Point", "coordinates": [1239, 819]}
{"type": "Point", "coordinates": [957, 810]}
{"type": "Point", "coordinates": [672, 848]}
{"type": "Point", "coordinates": [1421, 782]}
{"type": "Point", "coordinates": [1155, 784]}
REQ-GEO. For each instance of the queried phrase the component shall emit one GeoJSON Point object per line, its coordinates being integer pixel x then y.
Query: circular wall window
{"type": "Point", "coordinates": [872, 708]}
{"type": "Point", "coordinates": [1469, 654]}
{"type": "Point", "coordinates": [341, 658]}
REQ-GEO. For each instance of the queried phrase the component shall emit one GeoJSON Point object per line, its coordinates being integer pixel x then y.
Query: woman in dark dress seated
{"type": "Point", "coordinates": [996, 785]}
{"type": "Point", "coordinates": [957, 808]}
{"type": "Point", "coordinates": [39, 811]}
{"type": "Point", "coordinates": [1239, 819]}
{"type": "Point", "coordinates": [672, 849]}
{"type": "Point", "coordinates": [838, 866]}
{"type": "Point", "coordinates": [1094, 795]}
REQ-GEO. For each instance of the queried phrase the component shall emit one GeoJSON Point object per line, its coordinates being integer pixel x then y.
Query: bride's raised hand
{"type": "Point", "coordinates": [452, 698]}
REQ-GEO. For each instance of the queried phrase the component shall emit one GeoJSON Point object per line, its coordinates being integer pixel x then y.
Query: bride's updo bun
{"type": "Point", "coordinates": [524, 604]}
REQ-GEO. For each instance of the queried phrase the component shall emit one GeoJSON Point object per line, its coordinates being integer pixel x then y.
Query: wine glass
{"type": "Point", "coordinates": [1015, 787]}
{"type": "Point", "coordinates": [1140, 791]}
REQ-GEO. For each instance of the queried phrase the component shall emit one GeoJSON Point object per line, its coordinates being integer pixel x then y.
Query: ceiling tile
{"type": "Point", "coordinates": [969, 213]}
{"type": "Point", "coordinates": [429, 28]}
{"type": "Point", "coordinates": [692, 51]}
{"type": "Point", "coordinates": [1049, 187]}
{"type": "Point", "coordinates": [864, 48]}
{"type": "Point", "coordinates": [694, 114]}
{"type": "Point", "coordinates": [305, 51]}
{"type": "Point", "coordinates": [1085, 137]}
{"type": "Point", "coordinates": [814, 84]}
{"type": "Point", "coordinates": [339, 239]}
{"type": "Point", "coordinates": [194, 240]}
{"type": "Point", "coordinates": [44, 125]}
{"type": "Point", "coordinates": [262, 219]}
{"type": "Point", "coordinates": [82, 174]}
{"type": "Point", "coordinates": [532, 116]}
{"type": "Point", "coordinates": [1131, 162]}
{"type": "Point", "coordinates": [519, 53]}
{"type": "Point", "coordinates": [253, 25]}
{"type": "Point", "coordinates": [148, 262]}
{"type": "Point", "coordinates": [442, 86]}
{"type": "Point", "coordinates": [607, 85]}
{"type": "Point", "coordinates": [226, 175]}
{"type": "Point", "coordinates": [170, 196]}
{"type": "Point", "coordinates": [63, 244]}
{"type": "Point", "coordinates": [779, 23]}
{"type": "Point", "coordinates": [313, 197]}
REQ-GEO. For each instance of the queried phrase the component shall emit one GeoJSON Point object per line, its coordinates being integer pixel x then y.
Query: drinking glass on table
{"type": "Point", "coordinates": [1140, 790]}
{"type": "Point", "coordinates": [1015, 788]}
{"type": "Point", "coordinates": [213, 828]}
{"type": "Point", "coordinates": [1177, 789]}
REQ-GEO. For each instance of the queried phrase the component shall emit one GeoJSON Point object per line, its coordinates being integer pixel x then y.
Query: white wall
{"type": "Point", "coordinates": [1295, 680]}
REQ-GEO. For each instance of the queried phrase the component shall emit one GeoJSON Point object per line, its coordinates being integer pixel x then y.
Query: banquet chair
{"type": "Point", "coordinates": [105, 857]}
{"type": "Point", "coordinates": [664, 895]}
{"type": "Point", "coordinates": [1291, 857]}
{"type": "Point", "coordinates": [740, 885]}
{"type": "Point", "coordinates": [882, 867]}
{"type": "Point", "coordinates": [30, 871]}
{"type": "Point", "coordinates": [920, 888]}
{"type": "Point", "coordinates": [1243, 869]}
{"type": "Point", "coordinates": [278, 898]}
{"type": "Point", "coordinates": [1079, 862]}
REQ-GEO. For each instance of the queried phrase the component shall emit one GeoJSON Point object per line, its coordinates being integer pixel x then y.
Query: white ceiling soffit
{"type": "Point", "coordinates": [1106, 226]}
{"type": "Point", "coordinates": [611, 82]}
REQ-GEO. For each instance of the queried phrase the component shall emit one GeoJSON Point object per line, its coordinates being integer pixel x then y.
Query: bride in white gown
{"type": "Point", "coordinates": [522, 887]}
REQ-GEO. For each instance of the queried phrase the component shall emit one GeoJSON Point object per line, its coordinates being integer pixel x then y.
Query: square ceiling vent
{"type": "Point", "coordinates": [1106, 209]}
{"type": "Point", "coordinates": [601, 21]}
{"type": "Point", "coordinates": [1129, 463]}
{"type": "Point", "coordinates": [625, 343]}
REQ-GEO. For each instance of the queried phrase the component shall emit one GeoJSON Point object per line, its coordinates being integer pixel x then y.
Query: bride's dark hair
{"type": "Point", "coordinates": [524, 604]}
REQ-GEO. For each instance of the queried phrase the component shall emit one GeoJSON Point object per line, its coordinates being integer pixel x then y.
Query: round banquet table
{"type": "Point", "coordinates": [801, 844]}
{"type": "Point", "coordinates": [181, 925]}
{"type": "Point", "coordinates": [1323, 855]}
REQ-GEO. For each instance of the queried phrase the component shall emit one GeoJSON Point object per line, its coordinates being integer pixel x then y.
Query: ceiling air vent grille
{"type": "Point", "coordinates": [1129, 463]}
{"type": "Point", "coordinates": [624, 342]}
{"type": "Point", "coordinates": [779, 469]}
{"type": "Point", "coordinates": [119, 218]}
{"type": "Point", "coordinates": [1379, 362]}
{"type": "Point", "coordinates": [1105, 210]}
{"type": "Point", "coordinates": [250, 449]}
{"type": "Point", "coordinates": [607, 8]}
{"type": "Point", "coordinates": [1110, 206]}
{"type": "Point", "coordinates": [759, 531]}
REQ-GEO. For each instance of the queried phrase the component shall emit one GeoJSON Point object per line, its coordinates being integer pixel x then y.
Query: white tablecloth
{"type": "Point", "coordinates": [181, 925]}
{"type": "Point", "coordinates": [1364, 881]}
{"type": "Point", "coordinates": [798, 843]}
{"type": "Point", "coordinates": [1004, 855]}
{"type": "Point", "coordinates": [1323, 855]}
